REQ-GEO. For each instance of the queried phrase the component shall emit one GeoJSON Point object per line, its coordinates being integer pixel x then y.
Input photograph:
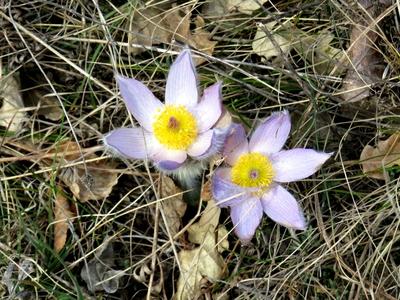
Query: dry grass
{"type": "Point", "coordinates": [71, 49]}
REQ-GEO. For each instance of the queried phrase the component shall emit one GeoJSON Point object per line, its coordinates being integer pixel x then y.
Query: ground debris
{"type": "Point", "coordinates": [219, 8]}
{"type": "Point", "coordinates": [89, 181]}
{"type": "Point", "coordinates": [366, 63]}
{"type": "Point", "coordinates": [14, 275]}
{"type": "Point", "coordinates": [11, 113]}
{"type": "Point", "coordinates": [204, 263]}
{"type": "Point", "coordinates": [172, 203]}
{"type": "Point", "coordinates": [315, 48]}
{"type": "Point", "coordinates": [99, 274]}
{"type": "Point", "coordinates": [386, 154]}
{"type": "Point", "coordinates": [159, 25]}
{"type": "Point", "coordinates": [62, 216]}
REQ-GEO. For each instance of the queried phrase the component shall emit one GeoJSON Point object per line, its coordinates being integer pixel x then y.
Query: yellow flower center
{"type": "Point", "coordinates": [252, 170]}
{"type": "Point", "coordinates": [175, 127]}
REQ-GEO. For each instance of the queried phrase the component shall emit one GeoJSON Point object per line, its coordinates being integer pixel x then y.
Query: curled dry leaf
{"type": "Point", "coordinates": [366, 62]}
{"type": "Point", "coordinates": [385, 155]}
{"type": "Point", "coordinates": [48, 105]}
{"type": "Point", "coordinates": [219, 8]}
{"type": "Point", "coordinates": [99, 274]}
{"type": "Point", "coordinates": [206, 193]}
{"type": "Point", "coordinates": [315, 48]}
{"type": "Point", "coordinates": [160, 24]}
{"type": "Point", "coordinates": [62, 214]}
{"type": "Point", "coordinates": [38, 94]}
{"type": "Point", "coordinates": [264, 47]}
{"type": "Point", "coordinates": [205, 261]}
{"type": "Point", "coordinates": [172, 203]}
{"type": "Point", "coordinates": [11, 115]}
{"type": "Point", "coordinates": [23, 268]}
{"type": "Point", "coordinates": [89, 181]}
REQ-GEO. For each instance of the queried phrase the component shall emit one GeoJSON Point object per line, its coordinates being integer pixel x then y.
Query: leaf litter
{"type": "Point", "coordinates": [62, 215]}
{"type": "Point", "coordinates": [92, 180]}
{"type": "Point", "coordinates": [15, 274]}
{"type": "Point", "coordinates": [386, 154]}
{"type": "Point", "coordinates": [366, 63]}
{"type": "Point", "coordinates": [38, 95]}
{"type": "Point", "coordinates": [283, 37]}
{"type": "Point", "coordinates": [204, 263]}
{"type": "Point", "coordinates": [99, 273]}
{"type": "Point", "coordinates": [12, 114]}
{"type": "Point", "coordinates": [172, 203]}
{"type": "Point", "coordinates": [158, 24]}
{"type": "Point", "coordinates": [221, 8]}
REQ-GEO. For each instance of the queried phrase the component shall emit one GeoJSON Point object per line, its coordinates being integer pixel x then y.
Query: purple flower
{"type": "Point", "coordinates": [252, 183]}
{"type": "Point", "coordinates": [170, 132]}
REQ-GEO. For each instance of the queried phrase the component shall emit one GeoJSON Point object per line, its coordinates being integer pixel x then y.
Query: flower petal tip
{"type": "Point", "coordinates": [270, 136]}
{"type": "Point", "coordinates": [300, 224]}
{"type": "Point", "coordinates": [181, 88]}
{"type": "Point", "coordinates": [168, 165]}
{"type": "Point", "coordinates": [134, 143]}
{"type": "Point", "coordinates": [296, 164]}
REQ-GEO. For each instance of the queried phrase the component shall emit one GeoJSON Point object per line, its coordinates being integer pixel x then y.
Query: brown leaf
{"type": "Point", "coordinates": [366, 62]}
{"type": "Point", "coordinates": [89, 181]}
{"type": "Point", "coordinates": [219, 8]}
{"type": "Point", "coordinates": [315, 48]}
{"type": "Point", "coordinates": [203, 263]}
{"type": "Point", "coordinates": [206, 192]}
{"type": "Point", "coordinates": [11, 115]}
{"type": "Point", "coordinates": [385, 155]}
{"type": "Point", "coordinates": [173, 205]}
{"type": "Point", "coordinates": [200, 40]}
{"type": "Point", "coordinates": [99, 273]}
{"type": "Point", "coordinates": [49, 107]}
{"type": "Point", "coordinates": [62, 214]}
{"type": "Point", "coordinates": [159, 24]}
{"type": "Point", "coordinates": [152, 26]}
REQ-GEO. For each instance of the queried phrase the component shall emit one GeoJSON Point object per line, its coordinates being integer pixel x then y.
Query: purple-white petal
{"type": "Point", "coordinates": [168, 159]}
{"type": "Point", "coordinates": [270, 136]}
{"type": "Point", "coordinates": [217, 143]}
{"type": "Point", "coordinates": [181, 86]}
{"type": "Point", "coordinates": [282, 207]}
{"type": "Point", "coordinates": [209, 109]}
{"type": "Point", "coordinates": [133, 143]}
{"type": "Point", "coordinates": [225, 192]}
{"type": "Point", "coordinates": [201, 144]}
{"type": "Point", "coordinates": [296, 164]}
{"type": "Point", "coordinates": [236, 144]}
{"type": "Point", "coordinates": [140, 101]}
{"type": "Point", "coordinates": [246, 216]}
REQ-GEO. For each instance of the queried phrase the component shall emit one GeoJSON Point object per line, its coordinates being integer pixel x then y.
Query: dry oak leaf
{"type": "Point", "coordinates": [99, 273]}
{"type": "Point", "coordinates": [366, 63]}
{"type": "Point", "coordinates": [62, 214]}
{"type": "Point", "coordinates": [90, 180]}
{"type": "Point", "coordinates": [48, 105]}
{"type": "Point", "coordinates": [315, 48]}
{"type": "Point", "coordinates": [172, 203]}
{"type": "Point", "coordinates": [156, 25]}
{"type": "Point", "coordinates": [385, 155]}
{"type": "Point", "coordinates": [205, 261]}
{"type": "Point", "coordinates": [222, 7]}
{"type": "Point", "coordinates": [11, 115]}
{"type": "Point", "coordinates": [264, 47]}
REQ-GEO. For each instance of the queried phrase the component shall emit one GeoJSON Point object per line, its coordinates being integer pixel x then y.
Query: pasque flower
{"type": "Point", "coordinates": [251, 185]}
{"type": "Point", "coordinates": [170, 132]}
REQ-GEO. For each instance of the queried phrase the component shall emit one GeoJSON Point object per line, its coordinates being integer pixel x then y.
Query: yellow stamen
{"type": "Point", "coordinates": [175, 127]}
{"type": "Point", "coordinates": [252, 170]}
